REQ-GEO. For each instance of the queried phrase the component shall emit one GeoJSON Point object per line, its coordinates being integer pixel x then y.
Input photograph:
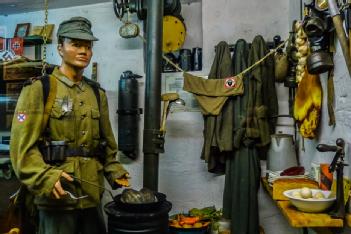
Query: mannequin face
{"type": "Point", "coordinates": [75, 53]}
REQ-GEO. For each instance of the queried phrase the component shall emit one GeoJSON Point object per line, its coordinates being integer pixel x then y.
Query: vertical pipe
{"type": "Point", "coordinates": [152, 89]}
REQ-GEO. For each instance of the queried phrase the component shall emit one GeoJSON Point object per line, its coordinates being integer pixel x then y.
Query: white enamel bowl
{"type": "Point", "coordinates": [311, 205]}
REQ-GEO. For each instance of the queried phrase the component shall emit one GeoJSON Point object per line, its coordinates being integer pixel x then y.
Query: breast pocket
{"type": "Point", "coordinates": [61, 124]}
{"type": "Point", "coordinates": [95, 123]}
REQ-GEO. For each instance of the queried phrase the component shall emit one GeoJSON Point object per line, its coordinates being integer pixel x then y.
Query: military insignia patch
{"type": "Point", "coordinates": [21, 117]}
{"type": "Point", "coordinates": [229, 82]}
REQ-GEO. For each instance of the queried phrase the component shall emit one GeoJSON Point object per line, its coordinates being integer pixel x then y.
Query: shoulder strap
{"type": "Point", "coordinates": [95, 86]}
{"type": "Point", "coordinates": [46, 86]}
{"type": "Point", "coordinates": [49, 84]}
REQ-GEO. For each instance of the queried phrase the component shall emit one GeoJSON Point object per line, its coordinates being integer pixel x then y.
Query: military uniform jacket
{"type": "Point", "coordinates": [75, 118]}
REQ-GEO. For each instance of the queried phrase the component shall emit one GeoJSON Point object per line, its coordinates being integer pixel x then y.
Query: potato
{"type": "Point", "coordinates": [177, 225]}
{"type": "Point", "coordinates": [306, 193]}
{"type": "Point", "coordinates": [187, 226]}
{"type": "Point", "coordinates": [197, 225]}
{"type": "Point", "coordinates": [319, 195]}
{"type": "Point", "coordinates": [296, 194]}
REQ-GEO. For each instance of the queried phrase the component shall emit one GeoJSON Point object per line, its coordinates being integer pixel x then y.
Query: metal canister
{"type": "Point", "coordinates": [196, 59]}
{"type": "Point", "coordinates": [185, 59]}
{"type": "Point", "coordinates": [281, 153]}
{"type": "Point", "coordinates": [128, 114]}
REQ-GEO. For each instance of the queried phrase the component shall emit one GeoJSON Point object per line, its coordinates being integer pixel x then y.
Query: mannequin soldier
{"type": "Point", "coordinates": [76, 142]}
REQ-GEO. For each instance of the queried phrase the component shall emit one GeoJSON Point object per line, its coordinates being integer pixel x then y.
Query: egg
{"type": "Point", "coordinates": [319, 195]}
{"type": "Point", "coordinates": [306, 193]}
{"type": "Point", "coordinates": [296, 194]}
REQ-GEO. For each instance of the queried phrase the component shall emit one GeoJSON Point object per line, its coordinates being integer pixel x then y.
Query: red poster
{"type": "Point", "coordinates": [17, 45]}
{"type": "Point", "coordinates": [10, 47]}
{"type": "Point", "coordinates": [2, 44]}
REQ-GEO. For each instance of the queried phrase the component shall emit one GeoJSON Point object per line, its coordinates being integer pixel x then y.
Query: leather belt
{"type": "Point", "coordinates": [81, 152]}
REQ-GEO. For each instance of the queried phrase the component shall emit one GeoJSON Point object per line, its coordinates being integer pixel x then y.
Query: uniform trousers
{"type": "Point", "coordinates": [80, 221]}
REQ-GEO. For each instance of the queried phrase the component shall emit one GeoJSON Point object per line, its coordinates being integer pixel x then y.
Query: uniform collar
{"type": "Point", "coordinates": [64, 79]}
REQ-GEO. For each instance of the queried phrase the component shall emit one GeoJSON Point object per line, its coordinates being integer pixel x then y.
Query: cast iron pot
{"type": "Point", "coordinates": [140, 207]}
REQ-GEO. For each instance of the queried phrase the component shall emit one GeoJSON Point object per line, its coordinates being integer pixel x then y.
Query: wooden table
{"type": "Point", "coordinates": [348, 219]}
{"type": "Point", "coordinates": [299, 219]}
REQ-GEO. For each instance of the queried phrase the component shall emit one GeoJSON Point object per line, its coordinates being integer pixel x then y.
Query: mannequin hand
{"type": "Point", "coordinates": [58, 190]}
{"type": "Point", "coordinates": [123, 181]}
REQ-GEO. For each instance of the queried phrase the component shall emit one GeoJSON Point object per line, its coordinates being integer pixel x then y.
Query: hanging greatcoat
{"type": "Point", "coordinates": [218, 130]}
{"type": "Point", "coordinates": [251, 129]}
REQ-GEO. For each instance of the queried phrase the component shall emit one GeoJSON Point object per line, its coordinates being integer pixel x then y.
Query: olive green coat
{"type": "Point", "coordinates": [218, 129]}
{"type": "Point", "coordinates": [80, 125]}
{"type": "Point", "coordinates": [240, 203]}
{"type": "Point", "coordinates": [252, 128]}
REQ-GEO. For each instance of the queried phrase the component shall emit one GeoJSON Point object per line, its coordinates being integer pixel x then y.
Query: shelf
{"type": "Point", "coordinates": [34, 40]}
{"type": "Point", "coordinates": [301, 219]}
{"type": "Point", "coordinates": [298, 219]}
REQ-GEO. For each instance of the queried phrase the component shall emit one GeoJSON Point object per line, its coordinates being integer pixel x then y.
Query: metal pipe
{"type": "Point", "coordinates": [152, 91]}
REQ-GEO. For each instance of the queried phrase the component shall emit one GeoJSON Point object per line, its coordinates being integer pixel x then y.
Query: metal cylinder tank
{"type": "Point", "coordinates": [128, 114]}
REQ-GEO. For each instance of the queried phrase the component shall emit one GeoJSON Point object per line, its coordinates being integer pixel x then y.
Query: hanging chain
{"type": "Point", "coordinates": [45, 38]}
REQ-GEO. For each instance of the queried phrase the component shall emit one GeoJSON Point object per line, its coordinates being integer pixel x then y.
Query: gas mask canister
{"type": "Point", "coordinates": [319, 60]}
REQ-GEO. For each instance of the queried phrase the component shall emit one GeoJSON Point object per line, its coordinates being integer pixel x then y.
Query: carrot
{"type": "Point", "coordinates": [190, 220]}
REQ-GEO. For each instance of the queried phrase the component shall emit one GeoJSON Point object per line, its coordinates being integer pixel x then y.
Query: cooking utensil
{"type": "Point", "coordinates": [128, 206]}
{"type": "Point", "coordinates": [93, 184]}
{"type": "Point", "coordinates": [71, 195]}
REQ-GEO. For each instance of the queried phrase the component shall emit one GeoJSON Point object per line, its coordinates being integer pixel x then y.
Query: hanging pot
{"type": "Point", "coordinates": [281, 154]}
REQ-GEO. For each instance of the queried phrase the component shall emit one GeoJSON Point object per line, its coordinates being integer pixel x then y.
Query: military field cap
{"type": "Point", "coordinates": [76, 28]}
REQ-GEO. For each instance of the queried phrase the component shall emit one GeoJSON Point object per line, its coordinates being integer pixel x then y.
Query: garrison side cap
{"type": "Point", "coordinates": [76, 28]}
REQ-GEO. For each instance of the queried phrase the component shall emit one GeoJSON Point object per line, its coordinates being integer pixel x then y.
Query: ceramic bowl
{"type": "Point", "coordinates": [311, 205]}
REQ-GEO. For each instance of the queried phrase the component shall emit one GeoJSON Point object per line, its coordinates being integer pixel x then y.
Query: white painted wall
{"type": "Point", "coordinates": [230, 20]}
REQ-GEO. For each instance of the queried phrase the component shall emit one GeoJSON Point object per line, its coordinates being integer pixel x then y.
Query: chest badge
{"type": "Point", "coordinates": [21, 117]}
{"type": "Point", "coordinates": [229, 82]}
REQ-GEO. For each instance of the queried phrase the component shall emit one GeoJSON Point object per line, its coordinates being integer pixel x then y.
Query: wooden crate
{"type": "Point", "coordinates": [15, 73]}
{"type": "Point", "coordinates": [13, 90]}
